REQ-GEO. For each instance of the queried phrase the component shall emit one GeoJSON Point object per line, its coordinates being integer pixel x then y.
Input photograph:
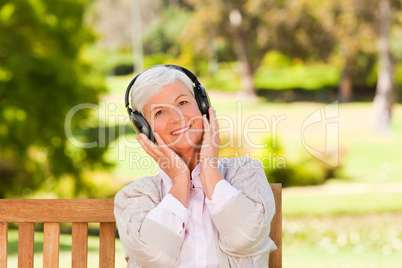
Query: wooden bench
{"type": "Point", "coordinates": [80, 212]}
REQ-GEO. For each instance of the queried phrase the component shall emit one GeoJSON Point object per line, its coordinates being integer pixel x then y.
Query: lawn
{"type": "Point", "coordinates": [373, 241]}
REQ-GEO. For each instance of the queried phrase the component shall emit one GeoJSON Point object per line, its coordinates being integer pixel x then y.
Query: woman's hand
{"type": "Point", "coordinates": [171, 164]}
{"type": "Point", "coordinates": [209, 154]}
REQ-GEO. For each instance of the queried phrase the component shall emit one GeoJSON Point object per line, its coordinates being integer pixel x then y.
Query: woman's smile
{"type": "Point", "coordinates": [180, 131]}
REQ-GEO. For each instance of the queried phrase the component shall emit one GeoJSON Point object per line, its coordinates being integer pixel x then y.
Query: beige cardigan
{"type": "Point", "coordinates": [243, 225]}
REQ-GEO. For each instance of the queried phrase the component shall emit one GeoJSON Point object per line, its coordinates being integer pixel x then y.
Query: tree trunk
{"type": "Point", "coordinates": [385, 92]}
{"type": "Point", "coordinates": [247, 82]}
{"type": "Point", "coordinates": [213, 65]}
{"type": "Point", "coordinates": [246, 69]}
{"type": "Point", "coordinates": [136, 22]}
{"type": "Point", "coordinates": [345, 90]}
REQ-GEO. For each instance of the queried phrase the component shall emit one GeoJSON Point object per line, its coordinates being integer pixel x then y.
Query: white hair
{"type": "Point", "coordinates": [152, 81]}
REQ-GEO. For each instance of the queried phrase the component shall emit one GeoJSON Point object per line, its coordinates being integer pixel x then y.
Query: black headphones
{"type": "Point", "coordinates": [138, 120]}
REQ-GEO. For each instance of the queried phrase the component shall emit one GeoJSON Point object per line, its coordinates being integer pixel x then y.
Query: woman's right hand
{"type": "Point", "coordinates": [171, 164]}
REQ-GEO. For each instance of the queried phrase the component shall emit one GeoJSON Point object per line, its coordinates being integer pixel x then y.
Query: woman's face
{"type": "Point", "coordinates": [175, 116]}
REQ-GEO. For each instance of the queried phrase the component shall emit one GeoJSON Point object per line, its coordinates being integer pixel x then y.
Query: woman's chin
{"type": "Point", "coordinates": [185, 143]}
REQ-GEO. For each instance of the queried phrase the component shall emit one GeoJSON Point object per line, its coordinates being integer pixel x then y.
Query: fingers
{"type": "Point", "coordinates": [211, 129]}
{"type": "Point", "coordinates": [212, 126]}
{"type": "Point", "coordinates": [148, 146]}
{"type": "Point", "coordinates": [155, 151]}
{"type": "Point", "coordinates": [213, 121]}
{"type": "Point", "coordinates": [161, 142]}
{"type": "Point", "coordinates": [205, 123]}
{"type": "Point", "coordinates": [166, 158]}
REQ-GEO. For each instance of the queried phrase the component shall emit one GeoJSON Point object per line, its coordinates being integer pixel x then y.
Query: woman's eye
{"type": "Point", "coordinates": [182, 102]}
{"type": "Point", "coordinates": [158, 113]}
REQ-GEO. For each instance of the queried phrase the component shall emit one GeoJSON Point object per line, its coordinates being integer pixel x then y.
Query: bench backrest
{"type": "Point", "coordinates": [80, 212]}
{"type": "Point", "coordinates": [275, 258]}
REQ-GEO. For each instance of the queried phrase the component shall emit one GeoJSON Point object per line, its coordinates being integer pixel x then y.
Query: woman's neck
{"type": "Point", "coordinates": [191, 157]}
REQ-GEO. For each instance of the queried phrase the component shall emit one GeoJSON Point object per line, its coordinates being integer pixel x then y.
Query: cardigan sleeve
{"type": "Point", "coordinates": [244, 223]}
{"type": "Point", "coordinates": [222, 195]}
{"type": "Point", "coordinates": [146, 242]}
{"type": "Point", "coordinates": [172, 214]}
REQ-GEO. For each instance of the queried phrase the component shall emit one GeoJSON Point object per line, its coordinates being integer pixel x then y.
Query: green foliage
{"type": "Point", "coordinates": [398, 76]}
{"type": "Point", "coordinates": [233, 146]}
{"type": "Point", "coordinates": [251, 28]}
{"type": "Point", "coordinates": [43, 75]}
{"type": "Point", "coordinates": [110, 62]}
{"type": "Point", "coordinates": [155, 59]}
{"type": "Point", "coordinates": [225, 79]}
{"type": "Point", "coordinates": [363, 71]}
{"type": "Point", "coordinates": [279, 168]}
{"type": "Point", "coordinates": [306, 170]}
{"type": "Point", "coordinates": [277, 68]}
{"type": "Point", "coordinates": [274, 73]}
{"type": "Point", "coordinates": [161, 37]}
{"type": "Point", "coordinates": [396, 43]}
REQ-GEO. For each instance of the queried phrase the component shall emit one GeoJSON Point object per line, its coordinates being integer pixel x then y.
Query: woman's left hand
{"type": "Point", "coordinates": [209, 153]}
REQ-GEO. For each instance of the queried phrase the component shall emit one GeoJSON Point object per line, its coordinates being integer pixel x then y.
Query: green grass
{"type": "Point", "coordinates": [343, 241]}
{"type": "Point", "coordinates": [341, 204]}
{"type": "Point", "coordinates": [347, 258]}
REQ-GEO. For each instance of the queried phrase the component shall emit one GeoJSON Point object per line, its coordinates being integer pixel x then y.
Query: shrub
{"type": "Point", "coordinates": [305, 170]}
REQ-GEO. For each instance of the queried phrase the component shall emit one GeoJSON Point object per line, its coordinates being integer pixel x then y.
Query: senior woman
{"type": "Point", "coordinates": [200, 210]}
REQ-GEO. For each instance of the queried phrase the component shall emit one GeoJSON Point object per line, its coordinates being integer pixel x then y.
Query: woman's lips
{"type": "Point", "coordinates": [181, 130]}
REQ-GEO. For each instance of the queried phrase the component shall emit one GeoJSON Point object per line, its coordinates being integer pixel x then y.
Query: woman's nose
{"type": "Point", "coordinates": [176, 115]}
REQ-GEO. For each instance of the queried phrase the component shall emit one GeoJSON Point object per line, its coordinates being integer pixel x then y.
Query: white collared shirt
{"type": "Point", "coordinates": [194, 224]}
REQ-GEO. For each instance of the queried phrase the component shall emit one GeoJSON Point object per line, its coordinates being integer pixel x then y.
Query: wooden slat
{"type": "Point", "coordinates": [56, 210]}
{"type": "Point", "coordinates": [25, 245]}
{"type": "Point", "coordinates": [275, 258]}
{"type": "Point", "coordinates": [107, 245]}
{"type": "Point", "coordinates": [79, 248]}
{"type": "Point", "coordinates": [51, 238]}
{"type": "Point", "coordinates": [3, 244]}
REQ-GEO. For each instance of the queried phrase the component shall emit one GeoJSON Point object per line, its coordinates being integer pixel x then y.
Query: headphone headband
{"type": "Point", "coordinates": [189, 74]}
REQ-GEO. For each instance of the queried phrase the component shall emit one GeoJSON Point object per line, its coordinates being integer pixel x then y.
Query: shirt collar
{"type": "Point", "coordinates": [195, 175]}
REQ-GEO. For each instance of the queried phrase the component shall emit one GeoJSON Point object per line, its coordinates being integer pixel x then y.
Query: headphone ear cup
{"type": "Point", "coordinates": [202, 98]}
{"type": "Point", "coordinates": [141, 125]}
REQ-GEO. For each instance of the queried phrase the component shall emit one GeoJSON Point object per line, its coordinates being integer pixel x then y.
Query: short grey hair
{"type": "Point", "coordinates": [152, 81]}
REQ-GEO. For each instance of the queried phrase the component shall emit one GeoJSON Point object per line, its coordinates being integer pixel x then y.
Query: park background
{"type": "Point", "coordinates": [64, 131]}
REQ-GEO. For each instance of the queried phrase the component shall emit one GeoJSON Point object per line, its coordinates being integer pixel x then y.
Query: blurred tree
{"type": "Point", "coordinates": [151, 28]}
{"type": "Point", "coordinates": [161, 35]}
{"type": "Point", "coordinates": [43, 75]}
{"type": "Point", "coordinates": [255, 27]}
{"type": "Point", "coordinates": [353, 24]}
{"type": "Point", "coordinates": [113, 21]}
{"type": "Point", "coordinates": [385, 93]}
